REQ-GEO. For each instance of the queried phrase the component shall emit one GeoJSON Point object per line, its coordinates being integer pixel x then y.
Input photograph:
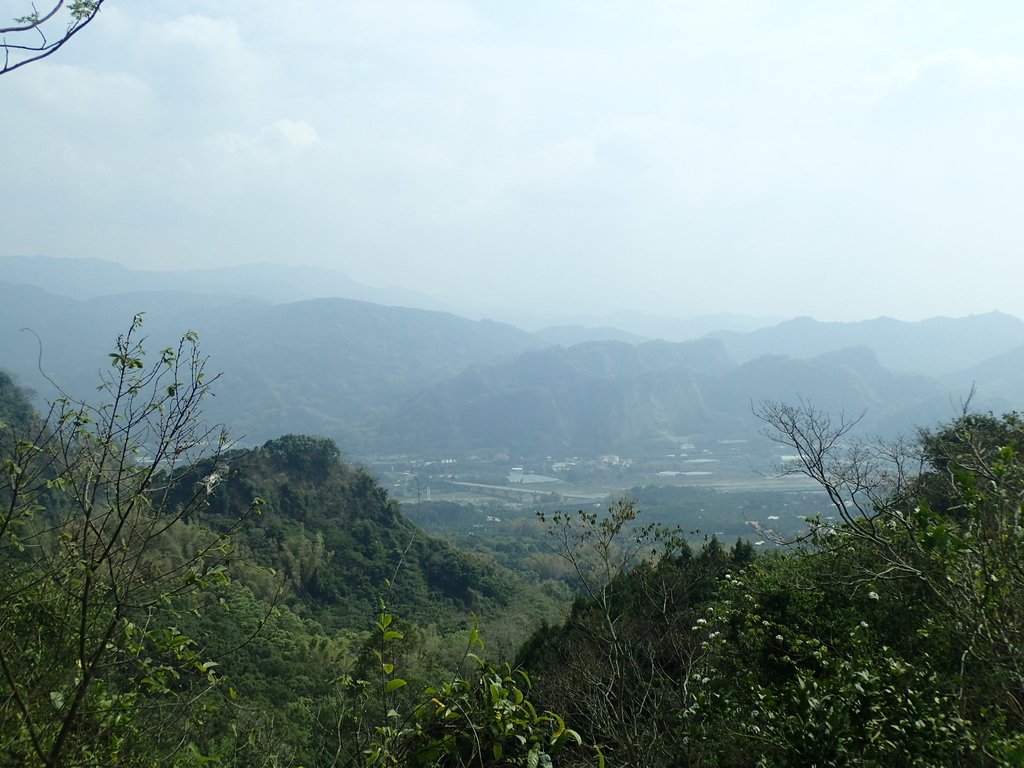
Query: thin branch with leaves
{"type": "Point", "coordinates": [41, 33]}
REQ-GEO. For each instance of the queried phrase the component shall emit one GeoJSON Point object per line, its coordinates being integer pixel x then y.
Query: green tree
{"type": "Point", "coordinates": [92, 666]}
{"type": "Point", "coordinates": [808, 665]}
{"type": "Point", "coordinates": [626, 663]}
{"type": "Point", "coordinates": [312, 457]}
{"type": "Point", "coordinates": [934, 527]}
{"type": "Point", "coordinates": [480, 716]}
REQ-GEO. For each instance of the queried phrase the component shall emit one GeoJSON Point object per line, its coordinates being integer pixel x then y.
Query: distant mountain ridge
{"type": "Point", "coordinates": [321, 366]}
{"type": "Point", "coordinates": [571, 335]}
{"type": "Point", "coordinates": [610, 397]}
{"type": "Point", "coordinates": [383, 379]}
{"type": "Point", "coordinates": [89, 278]}
{"type": "Point", "coordinates": [932, 347]}
{"type": "Point", "coordinates": [998, 381]}
{"type": "Point", "coordinates": [92, 278]}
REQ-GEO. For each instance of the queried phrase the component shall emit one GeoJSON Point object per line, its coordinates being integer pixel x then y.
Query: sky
{"type": "Point", "coordinates": [842, 160]}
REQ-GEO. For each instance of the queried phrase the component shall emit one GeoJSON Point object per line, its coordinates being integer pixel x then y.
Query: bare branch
{"type": "Point", "coordinates": [36, 35]}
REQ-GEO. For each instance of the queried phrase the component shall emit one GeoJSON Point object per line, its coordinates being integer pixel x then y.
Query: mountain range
{"type": "Point", "coordinates": [388, 379]}
{"type": "Point", "coordinates": [276, 283]}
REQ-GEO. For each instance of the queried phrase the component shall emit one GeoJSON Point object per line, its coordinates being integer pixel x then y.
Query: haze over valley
{"type": "Point", "coordinates": [596, 408]}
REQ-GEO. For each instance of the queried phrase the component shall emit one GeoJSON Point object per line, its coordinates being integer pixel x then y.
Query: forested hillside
{"type": "Point", "coordinates": [336, 540]}
{"type": "Point", "coordinates": [172, 600]}
{"type": "Point", "coordinates": [890, 637]}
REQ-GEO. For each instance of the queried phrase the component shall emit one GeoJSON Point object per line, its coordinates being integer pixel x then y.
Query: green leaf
{"type": "Point", "coordinates": [394, 685]}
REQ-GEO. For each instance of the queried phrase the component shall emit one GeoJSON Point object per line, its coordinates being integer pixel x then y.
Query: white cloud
{"type": "Point", "coordinates": [961, 68]}
{"type": "Point", "coordinates": [292, 136]}
{"type": "Point", "coordinates": [201, 63]}
{"type": "Point", "coordinates": [80, 92]}
{"type": "Point", "coordinates": [954, 85]}
{"type": "Point", "coordinates": [280, 139]}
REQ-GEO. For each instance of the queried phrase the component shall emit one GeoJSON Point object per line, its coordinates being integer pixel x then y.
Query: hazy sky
{"type": "Point", "coordinates": [842, 160]}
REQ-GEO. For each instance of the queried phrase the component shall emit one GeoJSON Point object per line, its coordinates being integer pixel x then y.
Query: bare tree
{"type": "Point", "coordinates": [861, 478]}
{"type": "Point", "coordinates": [943, 510]}
{"type": "Point", "coordinates": [629, 652]}
{"type": "Point", "coordinates": [41, 33]}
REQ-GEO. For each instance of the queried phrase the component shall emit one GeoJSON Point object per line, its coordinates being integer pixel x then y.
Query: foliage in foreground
{"type": "Point", "coordinates": [93, 665]}
{"type": "Point", "coordinates": [889, 638]}
{"type": "Point", "coordinates": [123, 636]}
